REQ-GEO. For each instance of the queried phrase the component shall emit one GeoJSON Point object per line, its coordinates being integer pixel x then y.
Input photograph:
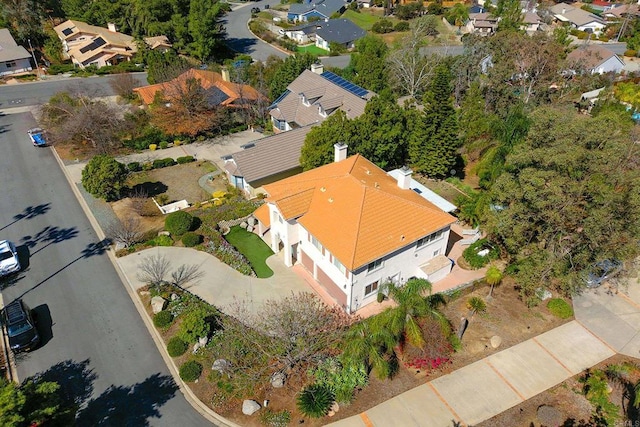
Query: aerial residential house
{"type": "Point", "coordinates": [619, 11]}
{"type": "Point", "coordinates": [354, 228]}
{"type": "Point", "coordinates": [13, 58]}
{"type": "Point", "coordinates": [219, 90]}
{"type": "Point", "coordinates": [482, 23]}
{"type": "Point", "coordinates": [313, 96]}
{"type": "Point", "coordinates": [341, 31]}
{"type": "Point", "coordinates": [319, 9]}
{"type": "Point", "coordinates": [531, 22]}
{"type": "Point", "coordinates": [577, 18]}
{"type": "Point", "coordinates": [594, 58]}
{"type": "Point", "coordinates": [304, 33]}
{"type": "Point", "coordinates": [266, 160]}
{"type": "Point", "coordinates": [88, 44]}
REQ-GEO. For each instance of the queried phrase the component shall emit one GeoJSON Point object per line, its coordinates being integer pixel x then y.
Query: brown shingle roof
{"type": "Point", "coordinates": [356, 210]}
{"type": "Point", "coordinates": [271, 155]}
{"type": "Point", "coordinates": [292, 110]}
{"type": "Point", "coordinates": [590, 56]}
{"type": "Point", "coordinates": [208, 79]}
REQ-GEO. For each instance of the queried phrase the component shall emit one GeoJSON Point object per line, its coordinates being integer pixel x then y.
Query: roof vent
{"type": "Point", "coordinates": [367, 171]}
{"type": "Point", "coordinates": [323, 189]}
{"type": "Point", "coordinates": [330, 199]}
{"type": "Point", "coordinates": [376, 185]}
{"type": "Point", "coordinates": [402, 238]}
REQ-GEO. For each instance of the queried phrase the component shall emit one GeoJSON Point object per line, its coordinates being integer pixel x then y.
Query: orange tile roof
{"type": "Point", "coordinates": [356, 210]}
{"type": "Point", "coordinates": [208, 79]}
{"type": "Point", "coordinates": [262, 215]}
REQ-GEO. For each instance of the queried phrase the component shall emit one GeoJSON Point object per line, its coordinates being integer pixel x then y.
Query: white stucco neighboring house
{"type": "Point", "coordinates": [577, 18]}
{"type": "Point", "coordinates": [13, 58]}
{"type": "Point", "coordinates": [354, 227]}
{"type": "Point", "coordinates": [595, 58]}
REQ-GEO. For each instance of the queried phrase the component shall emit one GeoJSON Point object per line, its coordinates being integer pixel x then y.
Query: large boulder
{"type": "Point", "coordinates": [250, 407]}
{"type": "Point", "coordinates": [251, 221]}
{"type": "Point", "coordinates": [278, 379]}
{"type": "Point", "coordinates": [158, 304]}
{"type": "Point", "coordinates": [221, 365]}
{"type": "Point", "coordinates": [495, 341]}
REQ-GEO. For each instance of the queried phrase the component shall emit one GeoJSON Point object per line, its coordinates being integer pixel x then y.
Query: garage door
{"type": "Point", "coordinates": [333, 289]}
{"type": "Point", "coordinates": [307, 262]}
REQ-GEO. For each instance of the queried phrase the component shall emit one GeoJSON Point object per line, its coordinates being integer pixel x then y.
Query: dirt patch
{"type": "Point", "coordinates": [177, 182]}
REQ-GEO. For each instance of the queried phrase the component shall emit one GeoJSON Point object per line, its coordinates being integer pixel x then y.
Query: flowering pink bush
{"type": "Point", "coordinates": [427, 362]}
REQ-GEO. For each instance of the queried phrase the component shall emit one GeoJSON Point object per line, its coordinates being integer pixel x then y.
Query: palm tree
{"type": "Point", "coordinates": [371, 343]}
{"type": "Point", "coordinates": [476, 305]}
{"type": "Point", "coordinates": [493, 277]}
{"type": "Point", "coordinates": [412, 304]}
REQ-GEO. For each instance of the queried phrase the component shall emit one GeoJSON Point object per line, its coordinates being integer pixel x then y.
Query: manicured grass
{"type": "Point", "coordinates": [363, 19]}
{"type": "Point", "coordinates": [313, 49]}
{"type": "Point", "coordinates": [253, 248]}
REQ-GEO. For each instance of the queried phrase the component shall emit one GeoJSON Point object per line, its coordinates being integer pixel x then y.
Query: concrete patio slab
{"type": "Point", "coordinates": [575, 347]}
{"type": "Point", "coordinates": [528, 368]}
{"type": "Point", "coordinates": [476, 392]}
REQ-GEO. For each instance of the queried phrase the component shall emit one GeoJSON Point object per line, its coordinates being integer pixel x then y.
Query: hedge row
{"type": "Point", "coordinates": [158, 163]}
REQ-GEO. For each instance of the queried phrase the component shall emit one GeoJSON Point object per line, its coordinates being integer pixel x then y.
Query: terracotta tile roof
{"type": "Point", "coordinates": [208, 80]}
{"type": "Point", "coordinates": [356, 210]}
{"type": "Point", "coordinates": [316, 88]}
{"type": "Point", "coordinates": [262, 215]}
{"type": "Point", "coordinates": [271, 155]}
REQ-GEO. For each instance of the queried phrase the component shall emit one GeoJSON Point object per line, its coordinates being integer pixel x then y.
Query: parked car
{"type": "Point", "coordinates": [255, 10]}
{"type": "Point", "coordinates": [21, 326]}
{"type": "Point", "coordinates": [266, 6]}
{"type": "Point", "coordinates": [38, 137]}
{"type": "Point", "coordinates": [602, 271]}
{"type": "Point", "coordinates": [9, 262]}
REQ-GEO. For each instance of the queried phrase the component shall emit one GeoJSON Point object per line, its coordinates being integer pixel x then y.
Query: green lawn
{"type": "Point", "coordinates": [253, 248]}
{"type": "Point", "coordinates": [313, 49]}
{"type": "Point", "coordinates": [363, 20]}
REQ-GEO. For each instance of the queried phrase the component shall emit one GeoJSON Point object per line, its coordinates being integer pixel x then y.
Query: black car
{"type": "Point", "coordinates": [255, 10]}
{"type": "Point", "coordinates": [21, 327]}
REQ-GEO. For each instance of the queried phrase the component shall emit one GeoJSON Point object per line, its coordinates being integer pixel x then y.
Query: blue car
{"type": "Point", "coordinates": [602, 271]}
{"type": "Point", "coordinates": [37, 137]}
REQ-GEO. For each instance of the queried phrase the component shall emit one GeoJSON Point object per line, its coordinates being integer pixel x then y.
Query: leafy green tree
{"type": "Point", "coordinates": [317, 149]}
{"type": "Point", "coordinates": [23, 18]}
{"type": "Point", "coordinates": [476, 305]}
{"type": "Point", "coordinates": [510, 14]}
{"type": "Point", "coordinates": [569, 197]}
{"type": "Point", "coordinates": [12, 401]}
{"type": "Point", "coordinates": [104, 177]}
{"type": "Point", "coordinates": [290, 69]}
{"type": "Point", "coordinates": [412, 305]}
{"type": "Point", "coordinates": [204, 28]}
{"type": "Point", "coordinates": [457, 15]}
{"type": "Point", "coordinates": [370, 342]}
{"type": "Point", "coordinates": [433, 146]}
{"type": "Point", "coordinates": [34, 402]}
{"type": "Point", "coordinates": [368, 66]}
{"type": "Point", "coordinates": [493, 277]}
{"type": "Point", "coordinates": [162, 67]}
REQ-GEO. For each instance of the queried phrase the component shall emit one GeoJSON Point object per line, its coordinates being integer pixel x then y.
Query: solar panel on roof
{"type": "Point", "coordinates": [344, 84]}
{"type": "Point", "coordinates": [88, 47]}
{"type": "Point", "coordinates": [280, 98]}
{"type": "Point", "coordinates": [99, 42]}
{"type": "Point", "coordinates": [67, 31]}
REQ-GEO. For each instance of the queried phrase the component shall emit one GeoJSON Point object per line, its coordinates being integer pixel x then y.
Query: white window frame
{"type": "Point", "coordinates": [316, 243]}
{"type": "Point", "coordinates": [421, 243]}
{"type": "Point", "coordinates": [372, 288]}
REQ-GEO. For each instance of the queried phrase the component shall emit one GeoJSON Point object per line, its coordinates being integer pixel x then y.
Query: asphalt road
{"type": "Point", "coordinates": [37, 93]}
{"type": "Point", "coordinates": [94, 342]}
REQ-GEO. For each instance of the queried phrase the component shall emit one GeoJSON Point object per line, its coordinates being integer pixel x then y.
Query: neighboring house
{"type": "Point", "coordinates": [218, 89]}
{"type": "Point", "coordinates": [341, 31]}
{"type": "Point", "coordinates": [313, 96]}
{"type": "Point", "coordinates": [304, 33]}
{"type": "Point", "coordinates": [88, 44]}
{"type": "Point", "coordinates": [577, 18]}
{"type": "Point", "coordinates": [266, 160]}
{"type": "Point", "coordinates": [616, 12]}
{"type": "Point", "coordinates": [531, 22]}
{"type": "Point", "coordinates": [594, 58]}
{"type": "Point", "coordinates": [482, 23]}
{"type": "Point", "coordinates": [320, 9]}
{"type": "Point", "coordinates": [354, 228]}
{"type": "Point", "coordinates": [13, 58]}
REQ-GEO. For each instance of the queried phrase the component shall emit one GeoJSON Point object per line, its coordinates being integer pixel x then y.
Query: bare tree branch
{"type": "Point", "coordinates": [186, 274]}
{"type": "Point", "coordinates": [153, 269]}
{"type": "Point", "coordinates": [127, 232]}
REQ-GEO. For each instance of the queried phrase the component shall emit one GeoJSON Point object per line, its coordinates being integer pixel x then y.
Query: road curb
{"type": "Point", "coordinates": [191, 398]}
{"type": "Point", "coordinates": [9, 357]}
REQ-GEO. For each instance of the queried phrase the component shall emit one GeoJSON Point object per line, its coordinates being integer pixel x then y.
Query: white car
{"type": "Point", "coordinates": [9, 262]}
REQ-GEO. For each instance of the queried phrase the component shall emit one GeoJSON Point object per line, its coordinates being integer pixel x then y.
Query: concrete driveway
{"type": "Point", "coordinates": [220, 285]}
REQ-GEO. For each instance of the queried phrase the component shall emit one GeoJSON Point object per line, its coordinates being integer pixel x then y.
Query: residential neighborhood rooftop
{"type": "Point", "coordinates": [340, 31]}
{"type": "Point", "coordinates": [590, 56]}
{"type": "Point", "coordinates": [9, 49]}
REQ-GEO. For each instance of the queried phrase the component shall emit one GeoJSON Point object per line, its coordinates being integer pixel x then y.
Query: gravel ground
{"type": "Point", "coordinates": [101, 210]}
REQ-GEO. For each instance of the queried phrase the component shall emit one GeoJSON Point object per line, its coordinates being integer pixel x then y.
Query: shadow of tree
{"type": "Point", "coordinates": [152, 189]}
{"type": "Point", "coordinates": [49, 235]}
{"type": "Point", "coordinates": [29, 213]}
{"type": "Point", "coordinates": [129, 405]}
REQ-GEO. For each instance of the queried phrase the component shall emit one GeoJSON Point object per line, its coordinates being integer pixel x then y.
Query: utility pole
{"type": "Point", "coordinates": [35, 61]}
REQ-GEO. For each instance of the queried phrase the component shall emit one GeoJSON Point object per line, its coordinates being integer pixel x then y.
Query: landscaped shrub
{"type": "Point", "coordinates": [134, 167]}
{"type": "Point", "coordinates": [163, 319]}
{"type": "Point", "coordinates": [275, 419]}
{"type": "Point", "coordinates": [401, 26]}
{"type": "Point", "coordinates": [161, 240]}
{"type": "Point", "coordinates": [315, 401]}
{"type": "Point", "coordinates": [104, 177]}
{"type": "Point", "coordinates": [164, 145]}
{"type": "Point", "coordinates": [196, 323]}
{"type": "Point", "coordinates": [382, 26]}
{"type": "Point", "coordinates": [560, 308]}
{"type": "Point", "coordinates": [178, 223]}
{"type": "Point", "coordinates": [477, 261]}
{"type": "Point", "coordinates": [152, 147]}
{"type": "Point", "coordinates": [61, 68]}
{"type": "Point", "coordinates": [176, 347]}
{"type": "Point", "coordinates": [341, 380]}
{"type": "Point", "coordinates": [184, 159]}
{"type": "Point", "coordinates": [163, 163]}
{"type": "Point", "coordinates": [631, 53]}
{"type": "Point", "coordinates": [191, 239]}
{"type": "Point", "coordinates": [190, 371]}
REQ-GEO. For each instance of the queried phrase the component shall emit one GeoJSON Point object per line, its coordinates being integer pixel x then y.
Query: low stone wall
{"type": "Point", "coordinates": [225, 225]}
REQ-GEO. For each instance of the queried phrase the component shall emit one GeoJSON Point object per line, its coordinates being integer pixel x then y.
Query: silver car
{"type": "Point", "coordinates": [9, 262]}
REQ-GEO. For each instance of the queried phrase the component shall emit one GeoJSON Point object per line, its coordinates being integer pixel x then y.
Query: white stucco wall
{"type": "Point", "coordinates": [611, 64]}
{"type": "Point", "coordinates": [596, 27]}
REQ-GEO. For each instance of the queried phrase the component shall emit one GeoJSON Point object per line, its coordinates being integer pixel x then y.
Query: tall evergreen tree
{"type": "Point", "coordinates": [292, 67]}
{"type": "Point", "coordinates": [368, 66]}
{"type": "Point", "coordinates": [434, 143]}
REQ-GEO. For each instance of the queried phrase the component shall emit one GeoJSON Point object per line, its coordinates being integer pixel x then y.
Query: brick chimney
{"type": "Point", "coordinates": [340, 151]}
{"type": "Point", "coordinates": [318, 68]}
{"type": "Point", "coordinates": [404, 178]}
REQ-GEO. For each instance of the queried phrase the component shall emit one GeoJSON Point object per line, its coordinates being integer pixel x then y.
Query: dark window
{"type": "Point", "coordinates": [369, 289]}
